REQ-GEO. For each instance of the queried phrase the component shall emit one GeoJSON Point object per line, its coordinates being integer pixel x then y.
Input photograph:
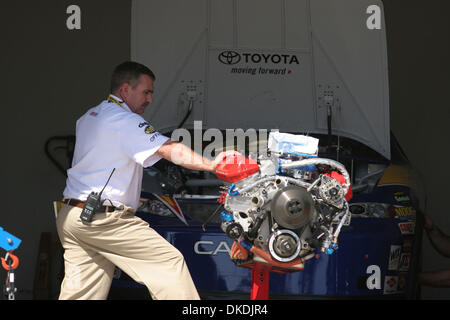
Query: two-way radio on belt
{"type": "Point", "coordinates": [93, 203]}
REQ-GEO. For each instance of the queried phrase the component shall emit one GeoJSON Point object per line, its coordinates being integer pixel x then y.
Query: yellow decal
{"type": "Point", "coordinates": [405, 212]}
{"type": "Point", "coordinates": [396, 175]}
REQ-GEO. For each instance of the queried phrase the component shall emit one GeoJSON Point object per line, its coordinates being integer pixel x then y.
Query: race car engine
{"type": "Point", "coordinates": [286, 205]}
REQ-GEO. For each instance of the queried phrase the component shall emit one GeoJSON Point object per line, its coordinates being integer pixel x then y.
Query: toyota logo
{"type": "Point", "coordinates": [229, 57]}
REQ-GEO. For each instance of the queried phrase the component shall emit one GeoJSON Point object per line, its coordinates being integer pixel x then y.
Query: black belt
{"type": "Point", "coordinates": [80, 204]}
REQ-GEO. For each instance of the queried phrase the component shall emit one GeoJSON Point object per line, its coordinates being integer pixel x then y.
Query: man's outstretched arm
{"type": "Point", "coordinates": [179, 154]}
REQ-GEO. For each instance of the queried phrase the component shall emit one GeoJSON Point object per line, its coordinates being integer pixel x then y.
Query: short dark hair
{"type": "Point", "coordinates": [129, 72]}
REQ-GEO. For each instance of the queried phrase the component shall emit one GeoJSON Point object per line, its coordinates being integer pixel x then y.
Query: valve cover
{"type": "Point", "coordinates": [236, 168]}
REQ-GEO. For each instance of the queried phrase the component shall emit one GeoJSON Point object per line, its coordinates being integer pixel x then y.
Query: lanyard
{"type": "Point", "coordinates": [111, 99]}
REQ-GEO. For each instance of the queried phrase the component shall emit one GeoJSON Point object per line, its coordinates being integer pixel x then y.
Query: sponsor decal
{"type": "Point", "coordinates": [93, 113]}
{"type": "Point", "coordinates": [405, 261]}
{"type": "Point", "coordinates": [407, 243]}
{"type": "Point", "coordinates": [405, 212]}
{"type": "Point", "coordinates": [402, 198]}
{"type": "Point", "coordinates": [390, 284]}
{"type": "Point", "coordinates": [233, 57]}
{"type": "Point", "coordinates": [143, 124]}
{"type": "Point", "coordinates": [229, 57]}
{"type": "Point", "coordinates": [154, 136]}
{"type": "Point", "coordinates": [206, 247]}
{"type": "Point", "coordinates": [149, 129]}
{"type": "Point", "coordinates": [172, 205]}
{"type": "Point", "coordinates": [394, 257]}
{"type": "Point", "coordinates": [260, 70]}
{"type": "Point", "coordinates": [258, 63]}
{"type": "Point", "coordinates": [407, 227]}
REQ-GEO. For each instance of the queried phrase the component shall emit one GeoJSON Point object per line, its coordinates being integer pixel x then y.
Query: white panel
{"type": "Point", "coordinates": [260, 89]}
{"type": "Point", "coordinates": [259, 24]}
{"type": "Point", "coordinates": [222, 23]}
{"type": "Point", "coordinates": [350, 61]}
{"type": "Point", "coordinates": [297, 24]}
{"type": "Point", "coordinates": [215, 46]}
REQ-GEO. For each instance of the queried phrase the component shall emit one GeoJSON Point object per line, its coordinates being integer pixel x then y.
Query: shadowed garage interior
{"type": "Point", "coordinates": [51, 75]}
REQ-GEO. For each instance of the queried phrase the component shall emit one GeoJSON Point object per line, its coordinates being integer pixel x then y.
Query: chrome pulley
{"type": "Point", "coordinates": [292, 207]}
{"type": "Point", "coordinates": [284, 245]}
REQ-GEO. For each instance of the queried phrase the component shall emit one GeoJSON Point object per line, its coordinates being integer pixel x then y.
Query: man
{"type": "Point", "coordinates": [441, 242]}
{"type": "Point", "coordinates": [114, 136]}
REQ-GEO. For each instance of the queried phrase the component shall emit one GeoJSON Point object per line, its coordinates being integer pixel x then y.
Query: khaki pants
{"type": "Point", "coordinates": [122, 239]}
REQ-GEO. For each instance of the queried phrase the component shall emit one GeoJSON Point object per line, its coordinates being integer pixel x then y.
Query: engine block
{"type": "Point", "coordinates": [283, 207]}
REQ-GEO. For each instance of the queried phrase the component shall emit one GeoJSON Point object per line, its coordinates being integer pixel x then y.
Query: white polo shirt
{"type": "Point", "coordinates": [112, 136]}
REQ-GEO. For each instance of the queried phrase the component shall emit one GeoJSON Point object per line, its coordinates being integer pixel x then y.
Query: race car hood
{"type": "Point", "coordinates": [286, 65]}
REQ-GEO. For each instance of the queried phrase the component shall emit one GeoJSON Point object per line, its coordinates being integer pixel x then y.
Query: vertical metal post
{"type": "Point", "coordinates": [260, 282]}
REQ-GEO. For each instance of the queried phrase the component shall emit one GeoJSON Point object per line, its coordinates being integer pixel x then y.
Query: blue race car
{"type": "Point", "coordinates": [314, 68]}
{"type": "Point", "coordinates": [377, 256]}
